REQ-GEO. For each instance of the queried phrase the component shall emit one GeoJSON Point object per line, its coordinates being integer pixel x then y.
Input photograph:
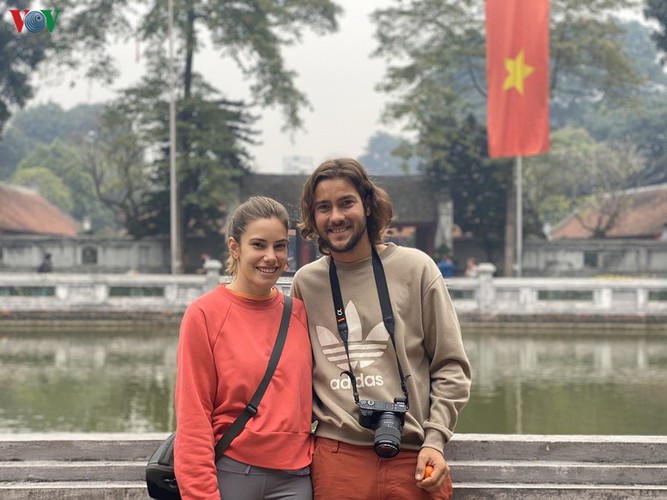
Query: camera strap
{"type": "Point", "coordinates": [387, 317]}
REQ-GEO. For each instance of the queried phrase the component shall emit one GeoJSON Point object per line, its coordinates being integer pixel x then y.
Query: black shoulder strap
{"type": "Point", "coordinates": [250, 410]}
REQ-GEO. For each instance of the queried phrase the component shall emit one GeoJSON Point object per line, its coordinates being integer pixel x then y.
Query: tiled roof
{"type": "Point", "coordinates": [413, 199]}
{"type": "Point", "coordinates": [644, 216]}
{"type": "Point", "coordinates": [27, 212]}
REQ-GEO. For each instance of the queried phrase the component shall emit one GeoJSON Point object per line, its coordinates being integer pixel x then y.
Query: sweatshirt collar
{"type": "Point", "coordinates": [365, 262]}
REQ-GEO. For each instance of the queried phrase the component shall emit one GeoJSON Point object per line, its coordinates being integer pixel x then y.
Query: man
{"type": "Point", "coordinates": [427, 370]}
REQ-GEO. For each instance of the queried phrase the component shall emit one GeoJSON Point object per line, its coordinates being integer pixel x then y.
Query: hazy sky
{"type": "Point", "coordinates": [335, 71]}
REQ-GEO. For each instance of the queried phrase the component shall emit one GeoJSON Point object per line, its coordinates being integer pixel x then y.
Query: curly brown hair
{"type": "Point", "coordinates": [373, 196]}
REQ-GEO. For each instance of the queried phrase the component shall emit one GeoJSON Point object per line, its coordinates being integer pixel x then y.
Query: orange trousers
{"type": "Point", "coordinates": [344, 472]}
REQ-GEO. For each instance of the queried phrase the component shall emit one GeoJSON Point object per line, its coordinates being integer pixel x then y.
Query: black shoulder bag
{"type": "Point", "coordinates": [160, 477]}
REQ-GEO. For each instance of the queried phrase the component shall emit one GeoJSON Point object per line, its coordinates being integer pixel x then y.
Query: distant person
{"type": "Point", "coordinates": [46, 266]}
{"type": "Point", "coordinates": [471, 268]}
{"type": "Point", "coordinates": [447, 267]}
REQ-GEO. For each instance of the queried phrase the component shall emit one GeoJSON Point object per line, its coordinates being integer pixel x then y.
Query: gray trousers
{"type": "Point", "coordinates": [239, 481]}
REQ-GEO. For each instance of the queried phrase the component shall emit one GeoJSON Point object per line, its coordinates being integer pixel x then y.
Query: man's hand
{"type": "Point", "coordinates": [431, 456]}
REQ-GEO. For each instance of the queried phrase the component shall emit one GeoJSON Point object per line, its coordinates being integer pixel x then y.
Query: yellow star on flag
{"type": "Point", "coordinates": [517, 70]}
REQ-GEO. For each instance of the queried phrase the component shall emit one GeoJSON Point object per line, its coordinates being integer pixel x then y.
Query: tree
{"type": "Point", "coordinates": [555, 186]}
{"type": "Point", "coordinates": [642, 123]}
{"type": "Point", "coordinates": [657, 9]}
{"type": "Point", "coordinates": [435, 53]}
{"type": "Point", "coordinates": [19, 57]}
{"type": "Point", "coordinates": [48, 184]}
{"type": "Point", "coordinates": [253, 34]}
{"type": "Point", "coordinates": [609, 169]}
{"type": "Point", "coordinates": [380, 157]}
{"type": "Point", "coordinates": [13, 147]}
{"type": "Point", "coordinates": [64, 162]}
{"type": "Point", "coordinates": [113, 157]}
{"type": "Point", "coordinates": [456, 159]}
{"type": "Point", "coordinates": [216, 136]}
{"type": "Point", "coordinates": [42, 125]}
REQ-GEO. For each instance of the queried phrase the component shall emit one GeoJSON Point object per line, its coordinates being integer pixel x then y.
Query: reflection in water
{"type": "Point", "coordinates": [87, 381]}
{"type": "Point", "coordinates": [106, 381]}
{"type": "Point", "coordinates": [567, 384]}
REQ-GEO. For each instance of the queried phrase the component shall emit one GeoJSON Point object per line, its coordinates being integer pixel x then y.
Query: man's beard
{"type": "Point", "coordinates": [350, 245]}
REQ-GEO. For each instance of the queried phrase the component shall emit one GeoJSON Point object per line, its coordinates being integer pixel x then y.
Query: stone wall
{"type": "Point", "coordinates": [85, 254]}
{"type": "Point", "coordinates": [595, 257]}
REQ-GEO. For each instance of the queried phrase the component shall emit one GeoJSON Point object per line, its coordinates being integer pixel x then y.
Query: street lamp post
{"type": "Point", "coordinates": [176, 260]}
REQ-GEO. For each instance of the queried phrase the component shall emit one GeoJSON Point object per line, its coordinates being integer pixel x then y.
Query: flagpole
{"type": "Point", "coordinates": [176, 264]}
{"type": "Point", "coordinates": [518, 175]}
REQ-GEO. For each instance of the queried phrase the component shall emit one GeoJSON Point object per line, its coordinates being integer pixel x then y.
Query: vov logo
{"type": "Point", "coordinates": [363, 351]}
{"type": "Point", "coordinates": [35, 20]}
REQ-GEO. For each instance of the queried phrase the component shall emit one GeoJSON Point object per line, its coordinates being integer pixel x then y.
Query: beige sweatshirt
{"type": "Point", "coordinates": [428, 341]}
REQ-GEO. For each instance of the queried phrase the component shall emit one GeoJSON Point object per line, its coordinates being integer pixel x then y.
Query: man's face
{"type": "Point", "coordinates": [340, 218]}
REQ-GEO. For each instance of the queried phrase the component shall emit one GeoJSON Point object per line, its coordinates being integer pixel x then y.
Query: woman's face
{"type": "Point", "coordinates": [261, 255]}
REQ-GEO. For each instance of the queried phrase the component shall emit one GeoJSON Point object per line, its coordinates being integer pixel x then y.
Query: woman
{"type": "Point", "coordinates": [225, 342]}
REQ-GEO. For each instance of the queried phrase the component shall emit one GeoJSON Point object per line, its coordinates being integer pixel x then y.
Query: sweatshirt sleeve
{"type": "Point", "coordinates": [449, 367]}
{"type": "Point", "coordinates": [196, 382]}
{"type": "Point", "coordinates": [294, 289]}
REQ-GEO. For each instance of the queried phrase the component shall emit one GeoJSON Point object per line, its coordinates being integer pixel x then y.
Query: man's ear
{"type": "Point", "coordinates": [367, 205]}
{"type": "Point", "coordinates": [233, 247]}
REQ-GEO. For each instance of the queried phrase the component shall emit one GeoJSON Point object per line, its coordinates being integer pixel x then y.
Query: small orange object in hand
{"type": "Point", "coordinates": [428, 470]}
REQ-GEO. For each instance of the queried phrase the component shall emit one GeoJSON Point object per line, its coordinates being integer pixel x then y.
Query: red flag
{"type": "Point", "coordinates": [517, 72]}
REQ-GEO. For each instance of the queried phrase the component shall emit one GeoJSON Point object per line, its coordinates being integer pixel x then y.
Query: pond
{"type": "Point", "coordinates": [112, 379]}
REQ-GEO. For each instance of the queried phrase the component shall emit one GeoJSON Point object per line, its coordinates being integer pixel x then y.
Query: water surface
{"type": "Point", "coordinates": [122, 380]}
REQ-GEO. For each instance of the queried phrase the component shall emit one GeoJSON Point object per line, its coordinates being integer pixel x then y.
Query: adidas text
{"type": "Point", "coordinates": [362, 381]}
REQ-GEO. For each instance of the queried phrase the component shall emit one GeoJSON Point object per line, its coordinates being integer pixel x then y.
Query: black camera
{"type": "Point", "coordinates": [387, 420]}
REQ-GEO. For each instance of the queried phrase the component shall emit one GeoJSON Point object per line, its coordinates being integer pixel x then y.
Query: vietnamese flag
{"type": "Point", "coordinates": [517, 71]}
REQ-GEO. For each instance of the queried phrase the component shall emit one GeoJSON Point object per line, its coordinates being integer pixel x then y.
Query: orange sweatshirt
{"type": "Point", "coordinates": [224, 347]}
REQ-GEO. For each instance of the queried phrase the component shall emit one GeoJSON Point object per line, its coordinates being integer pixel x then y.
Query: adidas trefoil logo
{"type": "Point", "coordinates": [362, 352]}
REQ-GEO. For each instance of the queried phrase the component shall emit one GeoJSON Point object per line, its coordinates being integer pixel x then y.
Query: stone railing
{"type": "Point", "coordinates": [483, 466]}
{"type": "Point", "coordinates": [485, 296]}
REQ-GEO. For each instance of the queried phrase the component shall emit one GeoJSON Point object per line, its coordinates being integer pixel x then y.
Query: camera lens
{"type": "Point", "coordinates": [387, 441]}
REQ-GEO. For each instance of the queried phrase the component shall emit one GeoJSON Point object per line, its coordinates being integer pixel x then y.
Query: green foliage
{"type": "Point", "coordinates": [436, 56]}
{"type": "Point", "coordinates": [19, 58]}
{"type": "Point", "coordinates": [644, 127]}
{"type": "Point", "coordinates": [212, 134]}
{"type": "Point", "coordinates": [251, 32]}
{"type": "Point", "coordinates": [455, 157]}
{"type": "Point", "coordinates": [580, 174]}
{"type": "Point", "coordinates": [113, 158]}
{"type": "Point", "coordinates": [435, 52]}
{"type": "Point", "coordinates": [48, 184]}
{"type": "Point", "coordinates": [641, 122]}
{"type": "Point", "coordinates": [212, 130]}
{"type": "Point", "coordinates": [382, 156]}
{"type": "Point", "coordinates": [64, 162]}
{"type": "Point", "coordinates": [42, 125]}
{"type": "Point", "coordinates": [436, 76]}
{"type": "Point", "coordinates": [657, 9]}
{"type": "Point", "coordinates": [13, 147]}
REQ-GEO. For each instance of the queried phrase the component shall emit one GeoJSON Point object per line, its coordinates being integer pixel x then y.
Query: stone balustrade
{"type": "Point", "coordinates": [63, 295]}
{"type": "Point", "coordinates": [483, 466]}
